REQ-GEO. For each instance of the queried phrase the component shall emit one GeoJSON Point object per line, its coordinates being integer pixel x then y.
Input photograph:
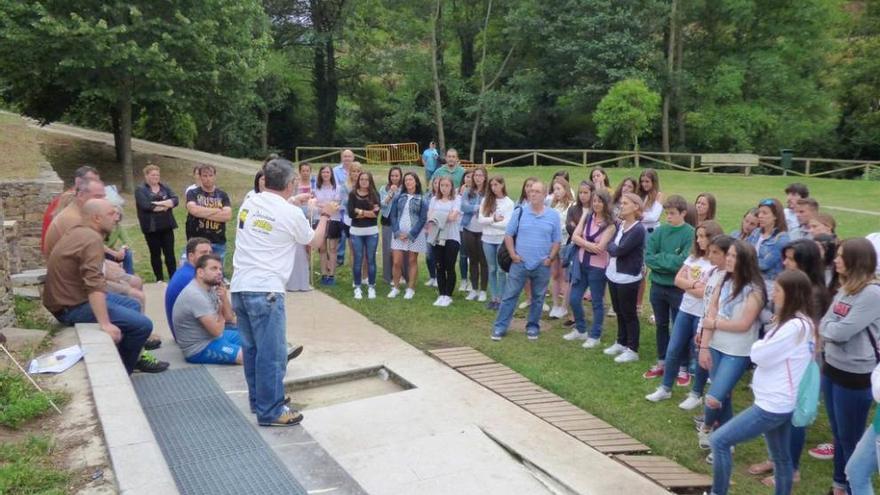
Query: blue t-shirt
{"type": "Point", "coordinates": [535, 234]}
{"type": "Point", "coordinates": [181, 278]}
{"type": "Point", "coordinates": [340, 174]}
{"type": "Point", "coordinates": [430, 157]}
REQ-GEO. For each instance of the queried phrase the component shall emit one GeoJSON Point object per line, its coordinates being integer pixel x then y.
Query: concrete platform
{"type": "Point", "coordinates": [446, 435]}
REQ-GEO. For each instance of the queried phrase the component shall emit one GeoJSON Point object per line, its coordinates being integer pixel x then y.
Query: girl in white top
{"type": "Point", "coordinates": [691, 278]}
{"type": "Point", "coordinates": [649, 191]}
{"type": "Point", "coordinates": [495, 212]}
{"type": "Point", "coordinates": [561, 200]}
{"type": "Point", "coordinates": [782, 357]}
{"type": "Point", "coordinates": [729, 330]}
{"type": "Point", "coordinates": [445, 249]}
{"type": "Point", "coordinates": [326, 192]}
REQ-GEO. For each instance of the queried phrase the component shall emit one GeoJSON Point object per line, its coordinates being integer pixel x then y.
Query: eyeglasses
{"type": "Point", "coordinates": [767, 202]}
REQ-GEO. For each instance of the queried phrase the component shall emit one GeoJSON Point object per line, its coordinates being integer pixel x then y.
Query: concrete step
{"type": "Point", "coordinates": [29, 277]}
{"type": "Point", "coordinates": [23, 339]}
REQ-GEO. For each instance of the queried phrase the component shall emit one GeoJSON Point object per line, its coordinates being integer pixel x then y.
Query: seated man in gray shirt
{"type": "Point", "coordinates": [200, 315]}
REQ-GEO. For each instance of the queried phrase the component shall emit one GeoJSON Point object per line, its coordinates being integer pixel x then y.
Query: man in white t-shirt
{"type": "Point", "coordinates": [269, 227]}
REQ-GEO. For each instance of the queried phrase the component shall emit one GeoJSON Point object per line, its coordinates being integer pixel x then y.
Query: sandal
{"type": "Point", "coordinates": [761, 468]}
{"type": "Point", "coordinates": [770, 481]}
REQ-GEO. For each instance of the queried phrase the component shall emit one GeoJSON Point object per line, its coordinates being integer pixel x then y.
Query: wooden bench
{"type": "Point", "coordinates": [744, 161]}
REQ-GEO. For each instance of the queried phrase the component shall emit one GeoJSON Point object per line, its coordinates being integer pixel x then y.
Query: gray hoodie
{"type": "Point", "coordinates": [845, 327]}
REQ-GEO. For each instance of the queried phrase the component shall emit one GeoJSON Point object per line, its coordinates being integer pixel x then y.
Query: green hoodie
{"type": "Point", "coordinates": [666, 251]}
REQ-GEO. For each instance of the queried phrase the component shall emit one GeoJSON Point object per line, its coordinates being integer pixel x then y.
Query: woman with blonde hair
{"type": "Point", "coordinates": [561, 199]}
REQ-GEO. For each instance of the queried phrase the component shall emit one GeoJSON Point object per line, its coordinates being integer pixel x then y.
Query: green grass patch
{"type": "Point", "coordinates": [26, 469]}
{"type": "Point", "coordinates": [20, 401]}
{"type": "Point", "coordinates": [30, 314]}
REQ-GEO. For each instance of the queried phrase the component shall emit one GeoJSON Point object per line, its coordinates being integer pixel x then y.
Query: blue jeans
{"type": "Point", "coordinates": [749, 424]}
{"type": "Point", "coordinates": [665, 300]}
{"type": "Point", "coordinates": [340, 248]}
{"type": "Point", "coordinates": [679, 346]}
{"type": "Point", "coordinates": [262, 327]}
{"type": "Point", "coordinates": [429, 260]}
{"type": "Point", "coordinates": [497, 277]}
{"type": "Point", "coordinates": [847, 412]}
{"type": "Point", "coordinates": [516, 280]}
{"type": "Point", "coordinates": [594, 278]}
{"type": "Point", "coordinates": [463, 263]}
{"type": "Point", "coordinates": [862, 465]}
{"type": "Point", "coordinates": [364, 245]}
{"type": "Point", "coordinates": [128, 262]}
{"type": "Point", "coordinates": [219, 250]}
{"type": "Point", "coordinates": [701, 376]}
{"type": "Point", "coordinates": [726, 372]}
{"type": "Point", "coordinates": [222, 350]}
{"type": "Point", "coordinates": [125, 313]}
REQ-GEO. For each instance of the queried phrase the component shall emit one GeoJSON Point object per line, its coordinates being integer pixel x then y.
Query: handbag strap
{"type": "Point", "coordinates": [873, 345]}
{"type": "Point", "coordinates": [518, 220]}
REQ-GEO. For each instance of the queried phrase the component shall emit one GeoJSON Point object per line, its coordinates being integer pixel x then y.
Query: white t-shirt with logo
{"type": "Point", "coordinates": [269, 228]}
{"type": "Point", "coordinates": [699, 269]}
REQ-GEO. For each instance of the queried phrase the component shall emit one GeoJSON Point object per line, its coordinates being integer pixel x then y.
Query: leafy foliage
{"type": "Point", "coordinates": [626, 112]}
{"type": "Point", "coordinates": [25, 468]}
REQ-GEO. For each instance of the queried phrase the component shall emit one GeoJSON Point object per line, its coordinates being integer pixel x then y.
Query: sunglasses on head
{"type": "Point", "coordinates": [767, 202]}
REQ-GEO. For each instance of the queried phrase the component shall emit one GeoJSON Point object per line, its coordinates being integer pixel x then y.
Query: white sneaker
{"type": "Point", "coordinates": [614, 349]}
{"type": "Point", "coordinates": [463, 286]}
{"type": "Point", "coordinates": [365, 281]}
{"type": "Point", "coordinates": [590, 343]}
{"type": "Point", "coordinates": [703, 439]}
{"type": "Point", "coordinates": [394, 292]}
{"type": "Point", "coordinates": [469, 286]}
{"type": "Point", "coordinates": [659, 394]}
{"type": "Point", "coordinates": [524, 304]}
{"type": "Point", "coordinates": [545, 307]}
{"type": "Point", "coordinates": [575, 335]}
{"type": "Point", "coordinates": [447, 300]}
{"type": "Point", "coordinates": [691, 402]}
{"type": "Point", "coordinates": [409, 293]}
{"type": "Point", "coordinates": [471, 295]}
{"type": "Point", "coordinates": [432, 282]}
{"type": "Point", "coordinates": [438, 301]}
{"type": "Point", "coordinates": [482, 296]}
{"type": "Point", "coordinates": [627, 356]}
{"type": "Point", "coordinates": [357, 293]}
{"type": "Point", "coordinates": [554, 313]}
{"type": "Point", "coordinates": [371, 293]}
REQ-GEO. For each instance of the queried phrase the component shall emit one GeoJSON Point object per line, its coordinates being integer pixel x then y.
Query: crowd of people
{"type": "Point", "coordinates": [779, 292]}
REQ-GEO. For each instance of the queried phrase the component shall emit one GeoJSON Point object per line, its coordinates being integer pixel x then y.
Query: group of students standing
{"type": "Point", "coordinates": [775, 294]}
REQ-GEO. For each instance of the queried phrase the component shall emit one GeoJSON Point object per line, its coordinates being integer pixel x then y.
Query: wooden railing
{"type": "Point", "coordinates": [328, 151]}
{"type": "Point", "coordinates": [800, 166]}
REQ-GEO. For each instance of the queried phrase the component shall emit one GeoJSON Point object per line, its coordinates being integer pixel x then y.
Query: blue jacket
{"type": "Point", "coordinates": [418, 214]}
{"type": "Point", "coordinates": [470, 206]}
{"type": "Point", "coordinates": [630, 251]}
{"type": "Point", "coordinates": [770, 252]}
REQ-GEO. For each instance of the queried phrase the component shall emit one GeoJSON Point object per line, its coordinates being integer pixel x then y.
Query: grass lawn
{"type": "Point", "coordinates": [586, 378]}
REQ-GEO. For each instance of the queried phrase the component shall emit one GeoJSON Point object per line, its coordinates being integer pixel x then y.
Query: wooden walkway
{"type": "Point", "coordinates": [569, 418]}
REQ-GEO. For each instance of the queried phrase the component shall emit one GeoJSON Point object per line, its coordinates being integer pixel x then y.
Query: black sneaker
{"type": "Point", "coordinates": [152, 344]}
{"type": "Point", "coordinates": [568, 323]}
{"type": "Point", "coordinates": [294, 351]}
{"type": "Point", "coordinates": [149, 364]}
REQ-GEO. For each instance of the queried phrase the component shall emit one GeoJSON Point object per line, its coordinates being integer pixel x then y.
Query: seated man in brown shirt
{"type": "Point", "coordinates": [76, 292]}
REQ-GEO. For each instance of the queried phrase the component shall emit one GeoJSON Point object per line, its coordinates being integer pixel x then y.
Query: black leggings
{"type": "Point", "coordinates": [473, 248]}
{"type": "Point", "coordinates": [159, 243]}
{"type": "Point", "coordinates": [623, 300]}
{"type": "Point", "coordinates": [444, 259]}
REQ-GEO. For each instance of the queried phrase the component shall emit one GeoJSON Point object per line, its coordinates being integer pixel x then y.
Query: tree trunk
{"type": "Point", "coordinates": [468, 63]}
{"type": "Point", "coordinates": [122, 139]}
{"type": "Point", "coordinates": [326, 89]}
{"type": "Point", "coordinates": [264, 132]}
{"type": "Point", "coordinates": [435, 73]}
{"type": "Point", "coordinates": [679, 110]}
{"type": "Point", "coordinates": [669, 92]}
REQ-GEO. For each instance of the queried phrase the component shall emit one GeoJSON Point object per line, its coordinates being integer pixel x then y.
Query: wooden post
{"type": "Point", "coordinates": [807, 169]}
{"type": "Point", "coordinates": [867, 174]}
{"type": "Point", "coordinates": [584, 158]}
{"type": "Point", "coordinates": [637, 158]}
{"type": "Point", "coordinates": [484, 157]}
{"type": "Point", "coordinates": [692, 162]}
{"type": "Point", "coordinates": [296, 154]}
{"type": "Point", "coordinates": [534, 158]}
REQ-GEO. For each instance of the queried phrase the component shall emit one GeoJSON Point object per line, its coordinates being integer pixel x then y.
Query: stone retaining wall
{"type": "Point", "coordinates": [25, 201]}
{"type": "Point", "coordinates": [7, 301]}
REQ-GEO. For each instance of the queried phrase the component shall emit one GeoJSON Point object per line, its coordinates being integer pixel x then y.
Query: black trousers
{"type": "Point", "coordinates": [444, 259]}
{"type": "Point", "coordinates": [478, 268]}
{"type": "Point", "coordinates": [160, 243]}
{"type": "Point", "coordinates": [623, 300]}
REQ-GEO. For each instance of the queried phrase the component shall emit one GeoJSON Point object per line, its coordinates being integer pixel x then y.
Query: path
{"type": "Point", "coordinates": [442, 436]}
{"type": "Point", "coordinates": [241, 165]}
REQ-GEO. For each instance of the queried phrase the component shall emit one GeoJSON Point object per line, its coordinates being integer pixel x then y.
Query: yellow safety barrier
{"type": "Point", "coordinates": [394, 153]}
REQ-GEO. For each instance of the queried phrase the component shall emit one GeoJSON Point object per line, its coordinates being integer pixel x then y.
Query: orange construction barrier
{"type": "Point", "coordinates": [394, 153]}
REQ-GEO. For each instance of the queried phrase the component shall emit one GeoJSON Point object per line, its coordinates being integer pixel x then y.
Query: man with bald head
{"type": "Point", "coordinates": [340, 173]}
{"type": "Point", "coordinates": [76, 291]}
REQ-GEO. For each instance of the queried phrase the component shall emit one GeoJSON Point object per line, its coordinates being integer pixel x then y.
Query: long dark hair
{"type": "Point", "coordinates": [809, 260]}
{"type": "Point", "coordinates": [746, 272]}
{"type": "Point", "coordinates": [372, 194]}
{"type": "Point", "coordinates": [320, 180]}
{"type": "Point", "coordinates": [712, 230]}
{"type": "Point", "coordinates": [481, 190]}
{"type": "Point", "coordinates": [860, 260]}
{"type": "Point", "coordinates": [828, 243]}
{"type": "Point", "coordinates": [607, 213]}
{"type": "Point", "coordinates": [710, 198]}
{"type": "Point", "coordinates": [604, 176]}
{"type": "Point", "coordinates": [524, 195]}
{"type": "Point", "coordinates": [418, 183]}
{"type": "Point", "coordinates": [577, 209]}
{"type": "Point", "coordinates": [489, 200]}
{"type": "Point", "coordinates": [400, 173]}
{"type": "Point", "coordinates": [796, 286]}
{"type": "Point", "coordinates": [618, 193]}
{"type": "Point", "coordinates": [649, 196]}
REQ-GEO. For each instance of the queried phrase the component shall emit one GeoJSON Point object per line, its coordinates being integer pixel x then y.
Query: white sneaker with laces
{"type": "Point", "coordinates": [471, 295]}
{"type": "Point", "coordinates": [703, 439]}
{"type": "Point", "coordinates": [463, 286]}
{"type": "Point", "coordinates": [590, 343]}
{"type": "Point", "coordinates": [554, 313]}
{"type": "Point", "coordinates": [523, 305]}
{"type": "Point", "coordinates": [432, 282]}
{"type": "Point", "coordinates": [691, 402]}
{"type": "Point", "coordinates": [447, 300]}
{"type": "Point", "coordinates": [614, 349]}
{"type": "Point", "coordinates": [371, 292]}
{"type": "Point", "coordinates": [627, 356]}
{"type": "Point", "coordinates": [394, 292]}
{"type": "Point", "coordinates": [659, 394]}
{"type": "Point", "coordinates": [358, 294]}
{"type": "Point", "coordinates": [575, 335]}
{"type": "Point", "coordinates": [545, 307]}
{"type": "Point", "coordinates": [482, 296]}
{"type": "Point", "coordinates": [438, 301]}
{"type": "Point", "coordinates": [409, 293]}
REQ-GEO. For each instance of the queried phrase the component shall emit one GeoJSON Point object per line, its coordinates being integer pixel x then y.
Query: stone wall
{"type": "Point", "coordinates": [25, 201]}
{"type": "Point", "coordinates": [7, 301]}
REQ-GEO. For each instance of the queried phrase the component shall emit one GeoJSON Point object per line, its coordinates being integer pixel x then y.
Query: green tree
{"type": "Point", "coordinates": [196, 57]}
{"type": "Point", "coordinates": [859, 83]}
{"type": "Point", "coordinates": [626, 112]}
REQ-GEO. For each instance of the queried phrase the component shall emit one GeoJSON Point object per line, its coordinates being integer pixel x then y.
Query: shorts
{"type": "Point", "coordinates": [334, 229]}
{"type": "Point", "coordinates": [222, 350]}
